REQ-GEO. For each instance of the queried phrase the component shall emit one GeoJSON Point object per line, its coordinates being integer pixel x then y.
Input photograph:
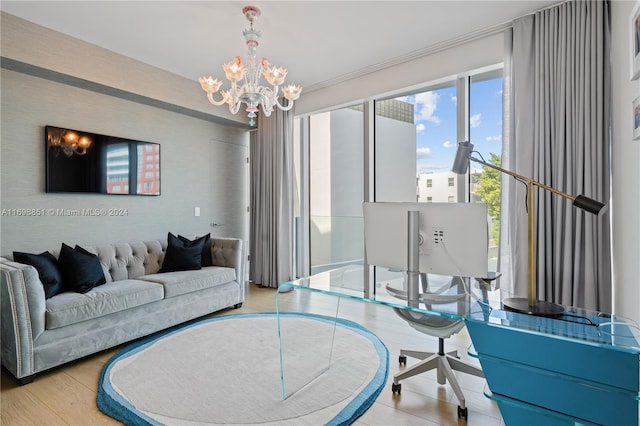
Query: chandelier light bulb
{"type": "Point", "coordinates": [209, 84]}
{"type": "Point", "coordinates": [234, 71]}
{"type": "Point", "coordinates": [245, 79]}
{"type": "Point", "coordinates": [275, 76]}
{"type": "Point", "coordinates": [291, 92]}
{"type": "Point", "coordinates": [71, 137]}
{"type": "Point", "coordinates": [84, 142]}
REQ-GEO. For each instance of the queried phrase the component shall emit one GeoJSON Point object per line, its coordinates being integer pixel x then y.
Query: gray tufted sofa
{"type": "Point", "coordinates": [38, 334]}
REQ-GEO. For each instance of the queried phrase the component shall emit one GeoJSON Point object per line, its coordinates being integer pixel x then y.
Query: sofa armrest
{"type": "Point", "coordinates": [22, 315]}
{"type": "Point", "coordinates": [229, 252]}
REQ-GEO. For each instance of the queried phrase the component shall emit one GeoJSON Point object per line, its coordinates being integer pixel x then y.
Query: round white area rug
{"type": "Point", "coordinates": [226, 370]}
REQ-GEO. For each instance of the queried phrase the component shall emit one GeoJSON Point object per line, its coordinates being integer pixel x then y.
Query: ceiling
{"type": "Point", "coordinates": [318, 42]}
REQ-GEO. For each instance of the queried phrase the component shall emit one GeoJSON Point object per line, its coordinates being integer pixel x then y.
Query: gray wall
{"type": "Point", "coordinates": [202, 165]}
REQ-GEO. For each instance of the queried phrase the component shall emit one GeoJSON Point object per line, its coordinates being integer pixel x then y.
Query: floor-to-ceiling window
{"type": "Point", "coordinates": [414, 141]}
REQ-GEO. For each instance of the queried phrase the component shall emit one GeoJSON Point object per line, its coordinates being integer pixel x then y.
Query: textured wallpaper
{"type": "Point", "coordinates": [203, 164]}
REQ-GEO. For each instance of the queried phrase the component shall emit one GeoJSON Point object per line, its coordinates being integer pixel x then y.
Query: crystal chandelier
{"type": "Point", "coordinates": [245, 79]}
{"type": "Point", "coordinates": [68, 141]}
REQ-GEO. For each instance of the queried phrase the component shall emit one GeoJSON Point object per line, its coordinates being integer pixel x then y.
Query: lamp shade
{"type": "Point", "coordinates": [588, 204]}
{"type": "Point", "coordinates": [461, 162]}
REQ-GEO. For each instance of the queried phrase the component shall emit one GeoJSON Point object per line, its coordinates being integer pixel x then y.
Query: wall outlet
{"type": "Point", "coordinates": [196, 211]}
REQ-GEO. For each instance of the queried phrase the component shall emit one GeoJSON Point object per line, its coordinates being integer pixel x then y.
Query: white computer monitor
{"type": "Point", "coordinates": [453, 237]}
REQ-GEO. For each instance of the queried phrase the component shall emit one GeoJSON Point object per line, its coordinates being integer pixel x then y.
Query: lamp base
{"type": "Point", "coordinates": [541, 309]}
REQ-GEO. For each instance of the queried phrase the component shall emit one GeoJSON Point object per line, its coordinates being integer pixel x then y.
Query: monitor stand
{"type": "Point", "coordinates": [413, 258]}
{"type": "Point", "coordinates": [414, 277]}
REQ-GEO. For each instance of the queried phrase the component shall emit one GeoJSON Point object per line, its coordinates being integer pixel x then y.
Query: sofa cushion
{"type": "Point", "coordinates": [182, 255]}
{"type": "Point", "coordinates": [47, 266]}
{"type": "Point", "coordinates": [181, 282]}
{"type": "Point", "coordinates": [70, 307]}
{"type": "Point", "coordinates": [80, 269]}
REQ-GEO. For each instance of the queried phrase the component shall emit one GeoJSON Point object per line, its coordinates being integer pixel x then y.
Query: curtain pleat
{"type": "Point", "coordinates": [271, 233]}
{"type": "Point", "coordinates": [561, 97]}
{"type": "Point", "coordinates": [505, 259]}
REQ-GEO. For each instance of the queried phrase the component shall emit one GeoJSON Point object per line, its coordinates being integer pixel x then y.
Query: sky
{"type": "Point", "coordinates": [435, 120]}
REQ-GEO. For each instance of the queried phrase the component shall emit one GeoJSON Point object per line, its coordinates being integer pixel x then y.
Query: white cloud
{"type": "Point", "coordinates": [475, 120]}
{"type": "Point", "coordinates": [448, 144]}
{"type": "Point", "coordinates": [420, 127]}
{"type": "Point", "coordinates": [454, 99]}
{"type": "Point", "coordinates": [423, 152]}
{"type": "Point", "coordinates": [497, 138]}
{"type": "Point", "coordinates": [426, 105]}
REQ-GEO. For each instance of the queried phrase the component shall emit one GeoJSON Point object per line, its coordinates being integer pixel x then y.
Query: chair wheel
{"type": "Point", "coordinates": [463, 413]}
{"type": "Point", "coordinates": [396, 388]}
{"type": "Point", "coordinates": [402, 360]}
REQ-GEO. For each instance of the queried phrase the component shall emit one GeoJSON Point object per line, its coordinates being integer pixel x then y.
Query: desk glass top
{"type": "Point", "coordinates": [448, 297]}
{"type": "Point", "coordinates": [476, 301]}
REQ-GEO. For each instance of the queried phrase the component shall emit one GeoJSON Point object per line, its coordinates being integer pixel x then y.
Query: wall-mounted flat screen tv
{"type": "Point", "coordinates": [79, 161]}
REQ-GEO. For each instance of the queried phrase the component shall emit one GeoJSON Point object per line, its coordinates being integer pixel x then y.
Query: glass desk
{"type": "Point", "coordinates": [582, 367]}
{"type": "Point", "coordinates": [447, 298]}
{"type": "Point", "coordinates": [450, 300]}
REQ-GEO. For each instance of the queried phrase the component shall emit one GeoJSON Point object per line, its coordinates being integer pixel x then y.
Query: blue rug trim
{"type": "Point", "coordinates": [112, 404]}
{"type": "Point", "coordinates": [366, 398]}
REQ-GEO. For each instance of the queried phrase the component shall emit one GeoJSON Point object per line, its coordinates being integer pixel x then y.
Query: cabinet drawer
{"type": "Point", "coordinates": [573, 396]}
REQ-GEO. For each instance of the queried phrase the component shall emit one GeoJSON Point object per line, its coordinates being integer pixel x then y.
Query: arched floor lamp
{"type": "Point", "coordinates": [529, 305]}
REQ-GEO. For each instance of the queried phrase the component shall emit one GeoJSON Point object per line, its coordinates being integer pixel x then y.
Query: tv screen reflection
{"type": "Point", "coordinates": [79, 161]}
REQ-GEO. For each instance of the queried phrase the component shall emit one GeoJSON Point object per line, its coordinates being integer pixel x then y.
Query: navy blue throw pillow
{"type": "Point", "coordinates": [181, 256]}
{"type": "Point", "coordinates": [48, 271]}
{"type": "Point", "coordinates": [80, 268]}
{"type": "Point", "coordinates": [206, 249]}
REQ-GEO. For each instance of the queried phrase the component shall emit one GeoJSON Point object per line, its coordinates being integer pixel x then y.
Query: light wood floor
{"type": "Point", "coordinates": [67, 395]}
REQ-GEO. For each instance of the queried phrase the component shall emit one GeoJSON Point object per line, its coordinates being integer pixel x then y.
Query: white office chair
{"type": "Point", "coordinates": [444, 362]}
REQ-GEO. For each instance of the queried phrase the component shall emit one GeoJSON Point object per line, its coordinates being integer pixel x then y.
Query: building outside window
{"type": "Point", "coordinates": [336, 176]}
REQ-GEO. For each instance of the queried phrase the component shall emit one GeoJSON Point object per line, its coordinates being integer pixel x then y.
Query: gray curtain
{"type": "Point", "coordinates": [271, 233]}
{"type": "Point", "coordinates": [560, 137]}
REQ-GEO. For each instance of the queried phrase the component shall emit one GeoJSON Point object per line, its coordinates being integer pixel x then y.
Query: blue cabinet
{"type": "Point", "coordinates": [581, 368]}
